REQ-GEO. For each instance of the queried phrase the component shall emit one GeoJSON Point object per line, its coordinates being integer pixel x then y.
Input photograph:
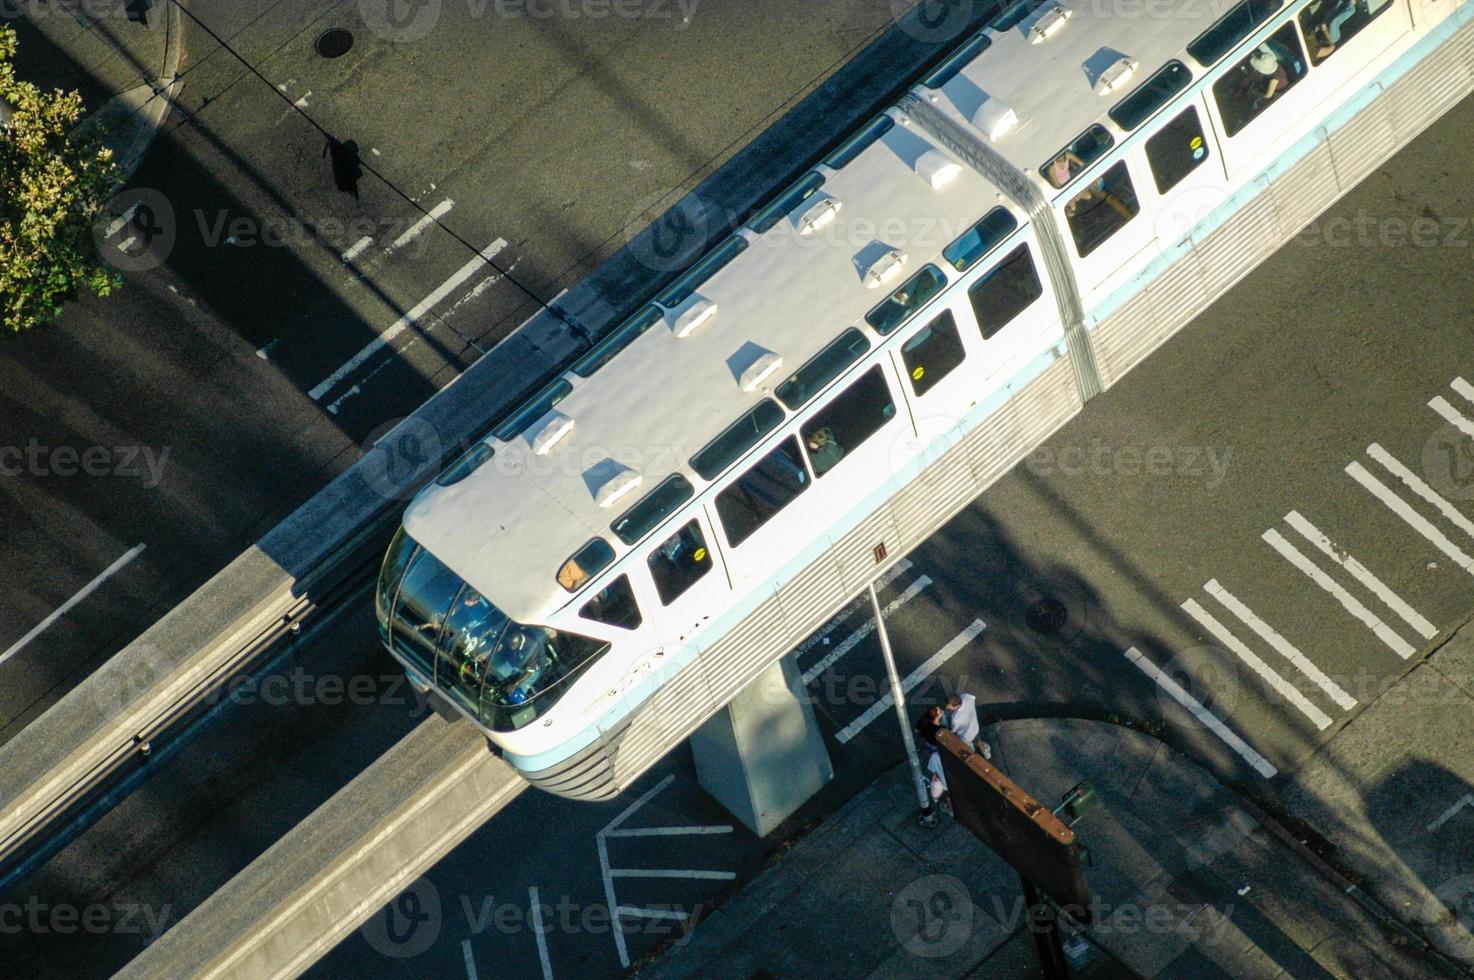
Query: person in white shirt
{"type": "Point", "coordinates": [962, 713]}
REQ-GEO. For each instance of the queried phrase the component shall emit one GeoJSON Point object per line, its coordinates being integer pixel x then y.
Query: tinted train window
{"type": "Point", "coordinates": [1230, 29]}
{"type": "Point", "coordinates": [932, 353]}
{"type": "Point", "coordinates": [1088, 147]}
{"type": "Point", "coordinates": [653, 508]}
{"type": "Point", "coordinates": [915, 293]}
{"type": "Point", "coordinates": [1176, 150]}
{"type": "Point", "coordinates": [615, 604]}
{"type": "Point", "coordinates": [679, 562]}
{"type": "Point", "coordinates": [823, 368]}
{"type": "Point", "coordinates": [1151, 95]}
{"type": "Point", "coordinates": [741, 436]}
{"type": "Point", "coordinates": [1328, 24]}
{"type": "Point", "coordinates": [585, 563]}
{"type": "Point", "coordinates": [1005, 292]}
{"type": "Point", "coordinates": [1254, 84]}
{"type": "Point", "coordinates": [1102, 209]}
{"type": "Point", "coordinates": [532, 410]}
{"type": "Point", "coordinates": [980, 239]}
{"type": "Point", "coordinates": [762, 491]}
{"type": "Point", "coordinates": [617, 341]}
{"type": "Point", "coordinates": [851, 418]}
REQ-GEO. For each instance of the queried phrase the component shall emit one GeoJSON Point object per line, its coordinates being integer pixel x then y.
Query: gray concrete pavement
{"type": "Point", "coordinates": [1185, 883]}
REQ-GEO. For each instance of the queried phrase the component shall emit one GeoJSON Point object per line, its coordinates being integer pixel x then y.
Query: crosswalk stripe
{"type": "Point", "coordinates": [1285, 648]}
{"type": "Point", "coordinates": [1417, 486]}
{"type": "Point", "coordinates": [1281, 686]}
{"type": "Point", "coordinates": [1401, 508]}
{"type": "Point", "coordinates": [1463, 387]}
{"type": "Point", "coordinates": [1358, 612]}
{"type": "Point", "coordinates": [1207, 718]}
{"type": "Point", "coordinates": [1452, 415]}
{"type": "Point", "coordinates": [1360, 572]}
{"type": "Point", "coordinates": [865, 629]}
{"type": "Point", "coordinates": [909, 683]}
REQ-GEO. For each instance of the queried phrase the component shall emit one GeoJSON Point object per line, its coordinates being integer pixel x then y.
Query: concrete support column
{"type": "Point", "coordinates": [762, 756]}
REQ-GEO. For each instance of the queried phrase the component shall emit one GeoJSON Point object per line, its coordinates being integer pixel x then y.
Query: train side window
{"type": "Point", "coordinates": [823, 368]}
{"type": "Point", "coordinates": [1252, 85]}
{"type": "Point", "coordinates": [653, 508]}
{"type": "Point", "coordinates": [914, 293]}
{"type": "Point", "coordinates": [1328, 24]}
{"type": "Point", "coordinates": [932, 353]}
{"type": "Point", "coordinates": [1005, 292]}
{"type": "Point", "coordinates": [851, 418]}
{"type": "Point", "coordinates": [762, 491]}
{"type": "Point", "coordinates": [980, 239]}
{"type": "Point", "coordinates": [1102, 209]}
{"type": "Point", "coordinates": [1176, 150]}
{"type": "Point", "coordinates": [585, 563]}
{"type": "Point", "coordinates": [614, 604]}
{"type": "Point", "coordinates": [679, 562]}
{"type": "Point", "coordinates": [1088, 147]}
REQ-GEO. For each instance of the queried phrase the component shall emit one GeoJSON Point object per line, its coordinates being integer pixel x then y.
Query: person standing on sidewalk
{"type": "Point", "coordinates": [932, 721]}
{"type": "Point", "coordinates": [962, 718]}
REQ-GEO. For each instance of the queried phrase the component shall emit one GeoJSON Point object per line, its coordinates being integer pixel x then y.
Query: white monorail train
{"type": "Point", "coordinates": [641, 539]}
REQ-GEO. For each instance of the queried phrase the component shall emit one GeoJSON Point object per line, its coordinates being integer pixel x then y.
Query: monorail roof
{"type": "Point", "coordinates": [509, 526]}
{"type": "Point", "coordinates": [1050, 84]}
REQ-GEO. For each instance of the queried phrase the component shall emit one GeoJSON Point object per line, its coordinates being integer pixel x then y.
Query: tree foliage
{"type": "Point", "coordinates": [52, 186]}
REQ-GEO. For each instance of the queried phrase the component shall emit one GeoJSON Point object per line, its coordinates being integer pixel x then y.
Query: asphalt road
{"type": "Point", "coordinates": [162, 430]}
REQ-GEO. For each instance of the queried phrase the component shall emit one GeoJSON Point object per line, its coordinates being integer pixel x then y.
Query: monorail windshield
{"type": "Point", "coordinates": [502, 672]}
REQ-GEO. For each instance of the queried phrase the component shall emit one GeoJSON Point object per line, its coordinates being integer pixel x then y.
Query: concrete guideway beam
{"type": "Point", "coordinates": [357, 851]}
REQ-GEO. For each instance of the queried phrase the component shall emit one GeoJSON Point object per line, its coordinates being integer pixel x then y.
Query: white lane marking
{"type": "Point", "coordinates": [1448, 814]}
{"type": "Point", "coordinates": [1359, 571]}
{"type": "Point", "coordinates": [606, 871]}
{"type": "Point", "coordinates": [1452, 415]}
{"type": "Point", "coordinates": [1205, 717]}
{"type": "Point", "coordinates": [817, 637]}
{"type": "Point", "coordinates": [1419, 523]}
{"type": "Point", "coordinates": [125, 246]}
{"type": "Point", "coordinates": [302, 102]}
{"type": "Point", "coordinates": [538, 929]}
{"type": "Point", "coordinates": [670, 831]}
{"type": "Point", "coordinates": [914, 678]}
{"type": "Point", "coordinates": [66, 607]}
{"type": "Point", "coordinates": [117, 223]}
{"type": "Point", "coordinates": [672, 873]}
{"type": "Point", "coordinates": [1283, 646]}
{"type": "Point", "coordinates": [643, 913]}
{"type": "Point", "coordinates": [1417, 486]}
{"type": "Point", "coordinates": [1283, 687]}
{"type": "Point", "coordinates": [853, 640]}
{"type": "Point", "coordinates": [426, 220]}
{"type": "Point", "coordinates": [1349, 602]}
{"type": "Point", "coordinates": [470, 960]}
{"type": "Point", "coordinates": [266, 349]}
{"type": "Point", "coordinates": [356, 249]}
{"type": "Point", "coordinates": [405, 322]}
{"type": "Point", "coordinates": [1462, 387]}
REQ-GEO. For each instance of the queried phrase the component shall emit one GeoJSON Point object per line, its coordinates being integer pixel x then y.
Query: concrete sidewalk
{"type": "Point", "coordinates": [1187, 884]}
{"type": "Point", "coordinates": [127, 72]}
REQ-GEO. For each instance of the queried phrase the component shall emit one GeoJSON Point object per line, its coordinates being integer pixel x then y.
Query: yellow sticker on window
{"type": "Point", "coordinates": [1196, 142]}
{"type": "Point", "coordinates": [917, 373]}
{"type": "Point", "coordinates": [699, 554]}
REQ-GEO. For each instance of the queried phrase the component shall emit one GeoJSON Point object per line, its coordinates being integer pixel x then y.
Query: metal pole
{"type": "Point", "coordinates": [898, 695]}
{"type": "Point", "coordinates": [1046, 934]}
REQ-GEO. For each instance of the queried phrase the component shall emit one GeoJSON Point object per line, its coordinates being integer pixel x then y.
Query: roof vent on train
{"type": "Point", "coordinates": [885, 267]}
{"type": "Point", "coordinates": [693, 316]}
{"type": "Point", "coordinates": [761, 368]}
{"type": "Point", "coordinates": [995, 118]}
{"type": "Point", "coordinates": [613, 480]}
{"type": "Point", "coordinates": [1115, 71]}
{"type": "Point", "coordinates": [820, 213]}
{"type": "Point", "coordinates": [937, 169]}
{"type": "Point", "coordinates": [553, 429]}
{"type": "Point", "coordinates": [1049, 23]}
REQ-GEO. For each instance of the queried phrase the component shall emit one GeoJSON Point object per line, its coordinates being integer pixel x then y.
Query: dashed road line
{"type": "Point", "coordinates": [854, 639]}
{"type": "Point", "coordinates": [1205, 717]}
{"type": "Point", "coordinates": [67, 606]}
{"type": "Point", "coordinates": [1452, 415]}
{"type": "Point", "coordinates": [409, 319]}
{"type": "Point", "coordinates": [1251, 660]}
{"type": "Point", "coordinates": [1359, 572]}
{"type": "Point", "coordinates": [356, 249]}
{"type": "Point", "coordinates": [1349, 602]}
{"type": "Point", "coordinates": [818, 636]}
{"type": "Point", "coordinates": [1462, 387]}
{"type": "Point", "coordinates": [1401, 508]}
{"type": "Point", "coordinates": [1281, 645]}
{"type": "Point", "coordinates": [635, 911]}
{"type": "Point", "coordinates": [1447, 815]}
{"type": "Point", "coordinates": [117, 223]}
{"type": "Point", "coordinates": [947, 652]}
{"type": "Point", "coordinates": [540, 931]}
{"type": "Point", "coordinates": [426, 220]}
